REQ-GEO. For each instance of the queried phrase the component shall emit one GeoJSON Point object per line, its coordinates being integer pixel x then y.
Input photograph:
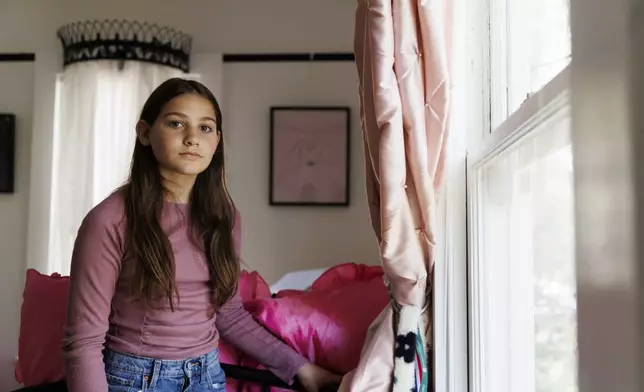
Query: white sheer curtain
{"type": "Point", "coordinates": [97, 106]}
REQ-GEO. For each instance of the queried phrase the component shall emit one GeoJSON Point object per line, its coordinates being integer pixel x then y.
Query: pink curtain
{"type": "Point", "coordinates": [402, 65]}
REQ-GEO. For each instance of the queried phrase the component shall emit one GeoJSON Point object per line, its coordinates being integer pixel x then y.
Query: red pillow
{"type": "Point", "coordinates": [41, 329]}
{"type": "Point", "coordinates": [334, 277]}
{"type": "Point", "coordinates": [252, 286]}
{"type": "Point", "coordinates": [346, 273]}
{"type": "Point", "coordinates": [337, 276]}
{"type": "Point", "coordinates": [327, 326]}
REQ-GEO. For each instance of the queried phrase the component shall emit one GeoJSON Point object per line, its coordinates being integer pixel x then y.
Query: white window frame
{"type": "Point", "coordinates": [545, 104]}
{"type": "Point", "coordinates": [450, 272]}
{"type": "Point", "coordinates": [486, 105]}
{"type": "Point", "coordinates": [603, 76]}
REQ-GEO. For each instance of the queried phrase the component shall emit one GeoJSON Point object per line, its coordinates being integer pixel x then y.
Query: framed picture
{"type": "Point", "coordinates": [310, 151]}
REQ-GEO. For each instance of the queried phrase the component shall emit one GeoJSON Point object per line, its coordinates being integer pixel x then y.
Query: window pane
{"type": "Point", "coordinates": [530, 46]}
{"type": "Point", "coordinates": [97, 107]}
{"type": "Point", "coordinates": [526, 261]}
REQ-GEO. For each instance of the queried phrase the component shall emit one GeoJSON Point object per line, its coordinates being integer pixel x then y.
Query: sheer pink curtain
{"type": "Point", "coordinates": [403, 72]}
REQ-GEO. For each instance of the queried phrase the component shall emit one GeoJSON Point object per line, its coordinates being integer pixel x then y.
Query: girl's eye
{"type": "Point", "coordinates": [206, 128]}
{"type": "Point", "coordinates": [175, 124]}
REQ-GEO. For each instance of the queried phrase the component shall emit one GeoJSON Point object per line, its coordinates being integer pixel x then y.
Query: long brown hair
{"type": "Point", "coordinates": [212, 212]}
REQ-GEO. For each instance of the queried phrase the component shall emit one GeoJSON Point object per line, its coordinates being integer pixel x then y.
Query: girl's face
{"type": "Point", "coordinates": [184, 136]}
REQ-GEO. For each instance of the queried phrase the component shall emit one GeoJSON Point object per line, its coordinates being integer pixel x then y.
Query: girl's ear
{"type": "Point", "coordinates": [143, 132]}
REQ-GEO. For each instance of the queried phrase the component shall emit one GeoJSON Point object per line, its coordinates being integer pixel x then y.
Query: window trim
{"type": "Point", "coordinates": [477, 76]}
{"type": "Point", "coordinates": [450, 273]}
{"type": "Point", "coordinates": [497, 26]}
{"type": "Point", "coordinates": [538, 107]}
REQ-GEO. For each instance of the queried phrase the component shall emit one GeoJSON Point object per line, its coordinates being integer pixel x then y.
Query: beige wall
{"type": "Point", "coordinates": [16, 95]}
{"type": "Point", "coordinates": [281, 239]}
{"type": "Point", "coordinates": [220, 26]}
{"type": "Point", "coordinates": [277, 240]}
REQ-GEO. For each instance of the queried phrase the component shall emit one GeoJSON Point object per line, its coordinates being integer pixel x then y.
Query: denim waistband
{"type": "Point", "coordinates": [163, 368]}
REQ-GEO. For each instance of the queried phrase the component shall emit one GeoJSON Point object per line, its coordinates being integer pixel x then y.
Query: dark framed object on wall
{"type": "Point", "coordinates": [7, 152]}
{"type": "Point", "coordinates": [310, 153]}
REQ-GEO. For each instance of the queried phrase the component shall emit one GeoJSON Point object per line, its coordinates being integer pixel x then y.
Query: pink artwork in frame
{"type": "Point", "coordinates": [310, 151]}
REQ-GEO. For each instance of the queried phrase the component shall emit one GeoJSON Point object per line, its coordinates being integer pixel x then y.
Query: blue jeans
{"type": "Point", "coordinates": [129, 373]}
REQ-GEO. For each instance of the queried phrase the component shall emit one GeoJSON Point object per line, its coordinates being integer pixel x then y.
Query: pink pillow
{"type": "Point", "coordinates": [252, 286]}
{"type": "Point", "coordinates": [327, 326]}
{"type": "Point", "coordinates": [334, 277]}
{"type": "Point", "coordinates": [41, 329]}
{"type": "Point", "coordinates": [346, 273]}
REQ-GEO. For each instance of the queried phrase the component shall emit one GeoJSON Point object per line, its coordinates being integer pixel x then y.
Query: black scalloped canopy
{"type": "Point", "coordinates": [125, 40]}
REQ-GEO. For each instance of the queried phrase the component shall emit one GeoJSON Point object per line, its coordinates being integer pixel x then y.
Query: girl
{"type": "Point", "coordinates": [155, 266]}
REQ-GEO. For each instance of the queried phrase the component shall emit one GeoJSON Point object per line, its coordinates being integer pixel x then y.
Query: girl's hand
{"type": "Point", "coordinates": [313, 378]}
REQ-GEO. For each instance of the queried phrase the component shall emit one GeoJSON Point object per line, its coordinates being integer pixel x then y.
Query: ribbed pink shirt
{"type": "Point", "coordinates": [100, 313]}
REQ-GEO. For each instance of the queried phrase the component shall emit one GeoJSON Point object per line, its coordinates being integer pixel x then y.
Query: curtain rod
{"type": "Point", "coordinates": [287, 57]}
{"type": "Point", "coordinates": [231, 57]}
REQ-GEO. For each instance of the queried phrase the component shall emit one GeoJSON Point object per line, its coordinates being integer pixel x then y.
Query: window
{"type": "Point", "coordinates": [97, 107]}
{"type": "Point", "coordinates": [522, 289]}
{"type": "Point", "coordinates": [525, 269]}
{"type": "Point", "coordinates": [529, 46]}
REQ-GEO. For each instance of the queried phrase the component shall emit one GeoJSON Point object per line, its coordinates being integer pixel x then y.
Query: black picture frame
{"type": "Point", "coordinates": [344, 154]}
{"type": "Point", "coordinates": [7, 152]}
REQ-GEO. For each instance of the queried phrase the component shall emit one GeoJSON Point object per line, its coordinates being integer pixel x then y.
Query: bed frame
{"type": "Point", "coordinates": [264, 378]}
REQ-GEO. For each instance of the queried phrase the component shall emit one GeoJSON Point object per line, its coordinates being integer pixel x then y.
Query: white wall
{"type": "Point", "coordinates": [16, 87]}
{"type": "Point", "coordinates": [276, 239]}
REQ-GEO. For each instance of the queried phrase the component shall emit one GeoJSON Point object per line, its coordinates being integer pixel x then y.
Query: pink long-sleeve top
{"type": "Point", "coordinates": [100, 313]}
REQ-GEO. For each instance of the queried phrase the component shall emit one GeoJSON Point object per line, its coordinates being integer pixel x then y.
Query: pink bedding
{"type": "Point", "coordinates": [327, 326]}
{"type": "Point", "coordinates": [328, 323]}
